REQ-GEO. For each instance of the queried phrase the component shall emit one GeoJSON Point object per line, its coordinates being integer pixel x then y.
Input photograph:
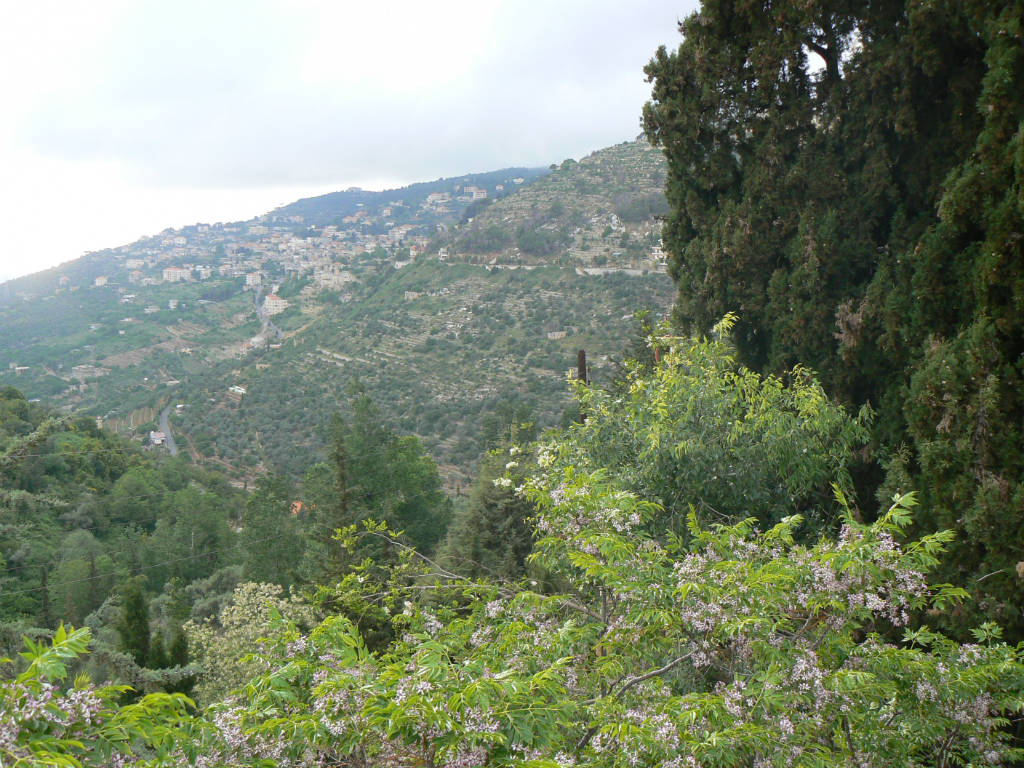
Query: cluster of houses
{"type": "Point", "coordinates": [242, 249]}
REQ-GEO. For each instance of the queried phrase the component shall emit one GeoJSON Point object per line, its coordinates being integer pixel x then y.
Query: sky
{"type": "Point", "coordinates": [124, 117]}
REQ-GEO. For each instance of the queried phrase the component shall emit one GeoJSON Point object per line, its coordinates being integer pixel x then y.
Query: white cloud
{"type": "Point", "coordinates": [126, 117]}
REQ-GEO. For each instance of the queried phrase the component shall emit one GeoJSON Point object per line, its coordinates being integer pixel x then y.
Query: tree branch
{"type": "Point", "coordinates": [629, 684]}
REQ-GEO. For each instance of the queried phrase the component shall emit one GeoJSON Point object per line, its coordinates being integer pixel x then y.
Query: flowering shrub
{"type": "Point", "coordinates": [714, 645]}
{"type": "Point", "coordinates": [741, 648]}
{"type": "Point", "coordinates": [700, 431]}
{"type": "Point", "coordinates": [42, 722]}
{"type": "Point", "coordinates": [220, 646]}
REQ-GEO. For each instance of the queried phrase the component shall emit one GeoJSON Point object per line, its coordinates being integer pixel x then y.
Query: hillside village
{"type": "Point", "coordinates": [374, 285]}
{"type": "Point", "coordinates": [283, 243]}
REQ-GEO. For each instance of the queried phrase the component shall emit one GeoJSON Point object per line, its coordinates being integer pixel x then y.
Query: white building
{"type": "Point", "coordinates": [274, 304]}
{"type": "Point", "coordinates": [176, 274]}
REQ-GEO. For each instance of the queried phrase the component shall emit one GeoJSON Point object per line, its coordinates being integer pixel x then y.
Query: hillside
{"type": "Point", "coordinates": [333, 207]}
{"type": "Point", "coordinates": [597, 213]}
{"type": "Point", "coordinates": [249, 333]}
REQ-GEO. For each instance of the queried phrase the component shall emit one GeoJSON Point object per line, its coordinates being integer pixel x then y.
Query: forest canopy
{"type": "Point", "coordinates": [791, 533]}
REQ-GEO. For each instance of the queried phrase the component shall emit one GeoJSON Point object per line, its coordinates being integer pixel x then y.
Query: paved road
{"type": "Point", "coordinates": [165, 427]}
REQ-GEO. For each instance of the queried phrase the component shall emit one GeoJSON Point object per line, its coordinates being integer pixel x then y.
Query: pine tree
{"type": "Point", "coordinates": [178, 656]}
{"type": "Point", "coordinates": [158, 658]}
{"type": "Point", "coordinates": [489, 536]}
{"type": "Point", "coordinates": [270, 533]}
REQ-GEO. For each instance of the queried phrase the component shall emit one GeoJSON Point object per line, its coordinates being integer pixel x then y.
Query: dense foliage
{"type": "Point", "coordinates": [684, 574]}
{"type": "Point", "coordinates": [733, 645]}
{"type": "Point", "coordinates": [709, 436]}
{"type": "Point", "coordinates": [845, 175]}
{"type": "Point", "coordinates": [82, 510]}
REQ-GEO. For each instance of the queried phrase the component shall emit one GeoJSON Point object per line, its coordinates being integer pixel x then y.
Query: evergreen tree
{"type": "Point", "coordinates": [489, 536]}
{"type": "Point", "coordinates": [177, 656]}
{"type": "Point", "coordinates": [270, 533]}
{"type": "Point", "coordinates": [326, 507]}
{"type": "Point", "coordinates": [845, 175]}
{"type": "Point", "coordinates": [380, 476]}
{"type": "Point", "coordinates": [158, 658]}
{"type": "Point", "coordinates": [134, 625]}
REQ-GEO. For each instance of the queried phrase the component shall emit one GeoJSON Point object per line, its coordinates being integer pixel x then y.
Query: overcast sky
{"type": "Point", "coordinates": [123, 118]}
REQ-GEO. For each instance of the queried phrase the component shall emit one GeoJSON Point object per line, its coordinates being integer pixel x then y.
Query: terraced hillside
{"type": "Point", "coordinates": [600, 212]}
{"type": "Point", "coordinates": [252, 331]}
{"type": "Point", "coordinates": [441, 347]}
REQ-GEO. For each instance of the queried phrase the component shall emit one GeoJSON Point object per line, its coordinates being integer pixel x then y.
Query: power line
{"type": "Point", "coordinates": [105, 498]}
{"type": "Point", "coordinates": [163, 562]}
{"type": "Point", "coordinates": [52, 563]}
{"type": "Point", "coordinates": [130, 450]}
{"type": "Point", "coordinates": [144, 568]}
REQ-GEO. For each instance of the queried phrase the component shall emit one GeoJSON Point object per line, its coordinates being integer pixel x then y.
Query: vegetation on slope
{"type": "Point", "coordinates": [727, 645]}
{"type": "Point", "coordinates": [603, 211]}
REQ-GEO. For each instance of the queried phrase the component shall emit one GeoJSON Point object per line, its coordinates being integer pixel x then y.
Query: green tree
{"type": "Point", "coordinates": [489, 536]}
{"type": "Point", "coordinates": [863, 218]}
{"type": "Point", "coordinates": [158, 657]}
{"type": "Point", "coordinates": [221, 645]}
{"type": "Point", "coordinates": [736, 646]}
{"type": "Point", "coordinates": [326, 502]}
{"type": "Point", "coordinates": [704, 433]}
{"type": "Point", "coordinates": [270, 537]}
{"type": "Point", "coordinates": [178, 656]}
{"type": "Point", "coordinates": [134, 624]}
{"type": "Point", "coordinates": [384, 477]}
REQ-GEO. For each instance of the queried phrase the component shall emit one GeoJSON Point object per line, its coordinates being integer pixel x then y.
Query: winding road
{"type": "Point", "coordinates": [165, 427]}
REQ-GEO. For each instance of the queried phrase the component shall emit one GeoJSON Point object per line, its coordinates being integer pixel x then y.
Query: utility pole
{"type": "Point", "coordinates": [582, 374]}
{"type": "Point", "coordinates": [45, 607]}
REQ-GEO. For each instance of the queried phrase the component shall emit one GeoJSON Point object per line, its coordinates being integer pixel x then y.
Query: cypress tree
{"type": "Point", "coordinates": [134, 624]}
{"type": "Point", "coordinates": [178, 657]}
{"type": "Point", "coordinates": [158, 658]}
{"type": "Point", "coordinates": [846, 176]}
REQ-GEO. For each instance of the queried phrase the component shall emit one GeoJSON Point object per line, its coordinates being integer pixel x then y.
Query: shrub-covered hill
{"type": "Point", "coordinates": [333, 207]}
{"type": "Point", "coordinates": [603, 211]}
{"type": "Point", "coordinates": [642, 639]}
{"type": "Point", "coordinates": [451, 352]}
{"type": "Point", "coordinates": [82, 510]}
